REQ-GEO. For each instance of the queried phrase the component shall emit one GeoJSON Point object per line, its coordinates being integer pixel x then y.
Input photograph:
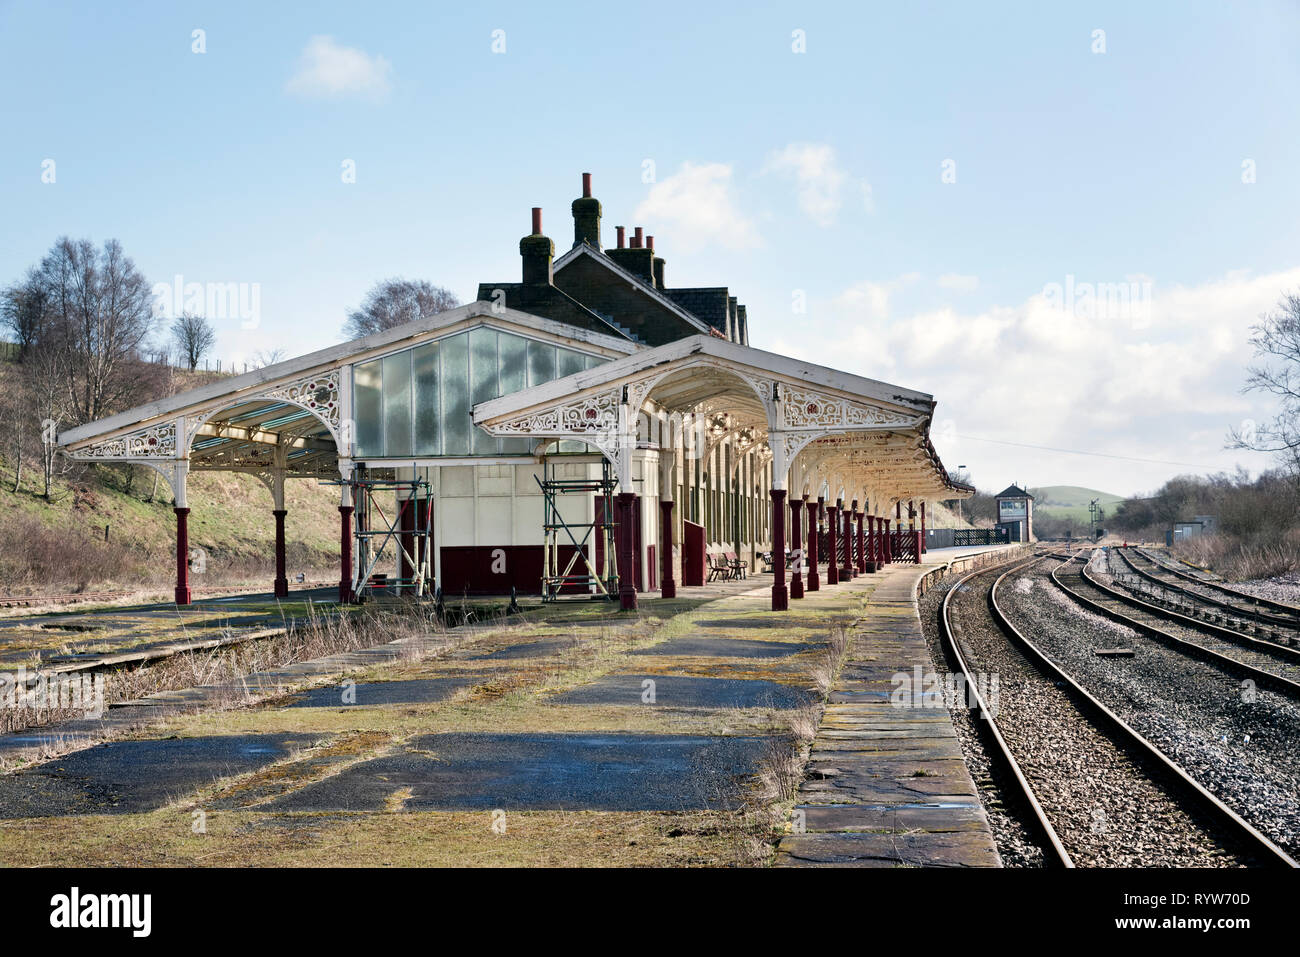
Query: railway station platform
{"type": "Point", "coordinates": [430, 735]}
{"type": "Point", "coordinates": [886, 784]}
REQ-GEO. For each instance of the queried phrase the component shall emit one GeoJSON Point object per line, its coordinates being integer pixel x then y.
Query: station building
{"type": "Point", "coordinates": [587, 429]}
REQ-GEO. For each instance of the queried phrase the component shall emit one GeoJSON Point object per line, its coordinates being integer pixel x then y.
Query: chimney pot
{"type": "Point", "coordinates": [537, 220]}
{"type": "Point", "coordinates": [622, 237]}
{"type": "Point", "coordinates": [637, 237]}
{"type": "Point", "coordinates": [586, 185]}
{"type": "Point", "coordinates": [650, 243]}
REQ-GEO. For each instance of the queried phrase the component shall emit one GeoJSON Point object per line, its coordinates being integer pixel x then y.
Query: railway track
{"type": "Point", "coordinates": [1271, 665]}
{"type": "Point", "coordinates": [1290, 612]}
{"type": "Point", "coordinates": [79, 598]}
{"type": "Point", "coordinates": [1237, 613]}
{"type": "Point", "coordinates": [1099, 793]}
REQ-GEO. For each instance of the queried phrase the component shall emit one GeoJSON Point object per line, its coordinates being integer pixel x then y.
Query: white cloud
{"type": "Point", "coordinates": [958, 282]}
{"type": "Point", "coordinates": [820, 182]}
{"type": "Point", "coordinates": [699, 203]}
{"type": "Point", "coordinates": [329, 69]}
{"type": "Point", "coordinates": [1165, 385]}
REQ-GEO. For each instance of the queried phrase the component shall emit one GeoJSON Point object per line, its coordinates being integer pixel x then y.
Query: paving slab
{"type": "Point", "coordinates": [377, 693]}
{"type": "Point", "coordinates": [677, 691]}
{"type": "Point", "coordinates": [725, 648]}
{"type": "Point", "coordinates": [886, 783]}
{"type": "Point", "coordinates": [576, 771]}
{"type": "Point", "coordinates": [126, 777]}
{"type": "Point", "coordinates": [529, 649]}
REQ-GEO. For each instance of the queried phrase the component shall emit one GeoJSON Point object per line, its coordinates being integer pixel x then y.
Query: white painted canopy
{"type": "Point", "coordinates": [820, 425]}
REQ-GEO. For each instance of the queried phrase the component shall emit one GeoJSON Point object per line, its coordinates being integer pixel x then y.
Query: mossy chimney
{"type": "Point", "coordinates": [586, 216]}
{"type": "Point", "coordinates": [537, 252]}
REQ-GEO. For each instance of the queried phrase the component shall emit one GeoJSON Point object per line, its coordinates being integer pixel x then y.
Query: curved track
{"type": "Point", "coordinates": [1236, 596]}
{"type": "Point", "coordinates": [1100, 793]}
{"type": "Point", "coordinates": [1272, 666]}
{"type": "Point", "coordinates": [1235, 614]}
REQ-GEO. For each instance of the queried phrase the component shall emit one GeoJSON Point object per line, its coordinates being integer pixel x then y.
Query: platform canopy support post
{"type": "Point", "coordinates": [814, 514]}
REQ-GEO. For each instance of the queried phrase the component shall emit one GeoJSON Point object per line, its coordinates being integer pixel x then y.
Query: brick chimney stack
{"type": "Point", "coordinates": [586, 216]}
{"type": "Point", "coordinates": [635, 257]}
{"type": "Point", "coordinates": [537, 252]}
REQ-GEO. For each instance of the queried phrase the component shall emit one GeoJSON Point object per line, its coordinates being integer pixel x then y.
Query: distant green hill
{"type": "Point", "coordinates": [1071, 501]}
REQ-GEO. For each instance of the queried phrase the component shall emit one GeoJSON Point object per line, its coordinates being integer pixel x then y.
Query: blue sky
{"type": "Point", "coordinates": [815, 176]}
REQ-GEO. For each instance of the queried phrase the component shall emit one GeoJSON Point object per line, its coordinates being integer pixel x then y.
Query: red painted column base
{"type": "Point", "coordinates": [281, 578]}
{"type": "Point", "coordinates": [846, 570]}
{"type": "Point", "coordinates": [832, 546]}
{"type": "Point", "coordinates": [182, 556]}
{"type": "Point", "coordinates": [780, 594]}
{"type": "Point", "coordinates": [668, 588]}
{"type": "Point", "coordinates": [345, 555]}
{"type": "Point", "coordinates": [796, 540]}
{"type": "Point", "coordinates": [623, 541]}
{"type": "Point", "coordinates": [814, 580]}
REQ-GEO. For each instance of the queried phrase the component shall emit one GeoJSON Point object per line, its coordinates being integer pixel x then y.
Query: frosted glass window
{"type": "Point", "coordinates": [541, 363]}
{"type": "Point", "coordinates": [513, 351]}
{"type": "Point", "coordinates": [366, 381]}
{"type": "Point", "coordinates": [455, 395]}
{"type": "Point", "coordinates": [569, 363]}
{"type": "Point", "coordinates": [483, 381]}
{"type": "Point", "coordinates": [397, 404]}
{"type": "Point", "coordinates": [428, 425]}
{"type": "Point", "coordinates": [419, 401]}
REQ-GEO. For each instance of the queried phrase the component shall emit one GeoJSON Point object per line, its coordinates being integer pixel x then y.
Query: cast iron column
{"type": "Point", "coordinates": [814, 510]}
{"type": "Point", "coordinates": [345, 554]}
{"type": "Point", "coordinates": [624, 541]}
{"type": "Point", "coordinates": [182, 556]}
{"type": "Point", "coordinates": [832, 544]}
{"type": "Point", "coordinates": [796, 545]}
{"type": "Point", "coordinates": [862, 541]}
{"type": "Point", "coordinates": [669, 588]}
{"type": "Point", "coordinates": [281, 580]}
{"type": "Point", "coordinates": [846, 570]}
{"type": "Point", "coordinates": [780, 596]}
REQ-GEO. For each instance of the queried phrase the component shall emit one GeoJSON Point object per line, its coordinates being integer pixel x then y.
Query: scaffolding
{"type": "Point", "coordinates": [409, 530]}
{"type": "Point", "coordinates": [599, 582]}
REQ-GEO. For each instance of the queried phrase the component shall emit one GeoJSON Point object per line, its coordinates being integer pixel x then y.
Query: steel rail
{"type": "Point", "coordinates": [1283, 607]}
{"type": "Point", "coordinates": [1246, 613]}
{"type": "Point", "coordinates": [1129, 739]}
{"type": "Point", "coordinates": [1041, 823]}
{"type": "Point", "coordinates": [1261, 676]}
{"type": "Point", "coordinates": [1230, 635]}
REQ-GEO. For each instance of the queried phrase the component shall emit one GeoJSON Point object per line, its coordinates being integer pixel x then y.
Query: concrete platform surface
{"type": "Point", "coordinates": [886, 785]}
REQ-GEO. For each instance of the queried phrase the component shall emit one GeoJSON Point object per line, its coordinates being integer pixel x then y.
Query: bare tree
{"type": "Point", "coordinates": [268, 357]}
{"type": "Point", "coordinates": [194, 336]}
{"type": "Point", "coordinates": [392, 302]}
{"type": "Point", "coordinates": [15, 427]}
{"type": "Point", "coordinates": [23, 310]}
{"type": "Point", "coordinates": [44, 380]}
{"type": "Point", "coordinates": [98, 316]}
{"type": "Point", "coordinates": [1276, 372]}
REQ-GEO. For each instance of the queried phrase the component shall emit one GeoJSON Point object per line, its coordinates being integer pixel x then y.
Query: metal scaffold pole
{"type": "Point", "coordinates": [396, 513]}
{"type": "Point", "coordinates": [578, 571]}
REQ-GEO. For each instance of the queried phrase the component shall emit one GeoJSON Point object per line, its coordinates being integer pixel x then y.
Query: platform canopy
{"type": "Point", "coordinates": [818, 425]}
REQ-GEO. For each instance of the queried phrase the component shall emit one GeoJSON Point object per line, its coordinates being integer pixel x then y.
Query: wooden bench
{"type": "Point", "coordinates": [719, 568]}
{"type": "Point", "coordinates": [737, 567]}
